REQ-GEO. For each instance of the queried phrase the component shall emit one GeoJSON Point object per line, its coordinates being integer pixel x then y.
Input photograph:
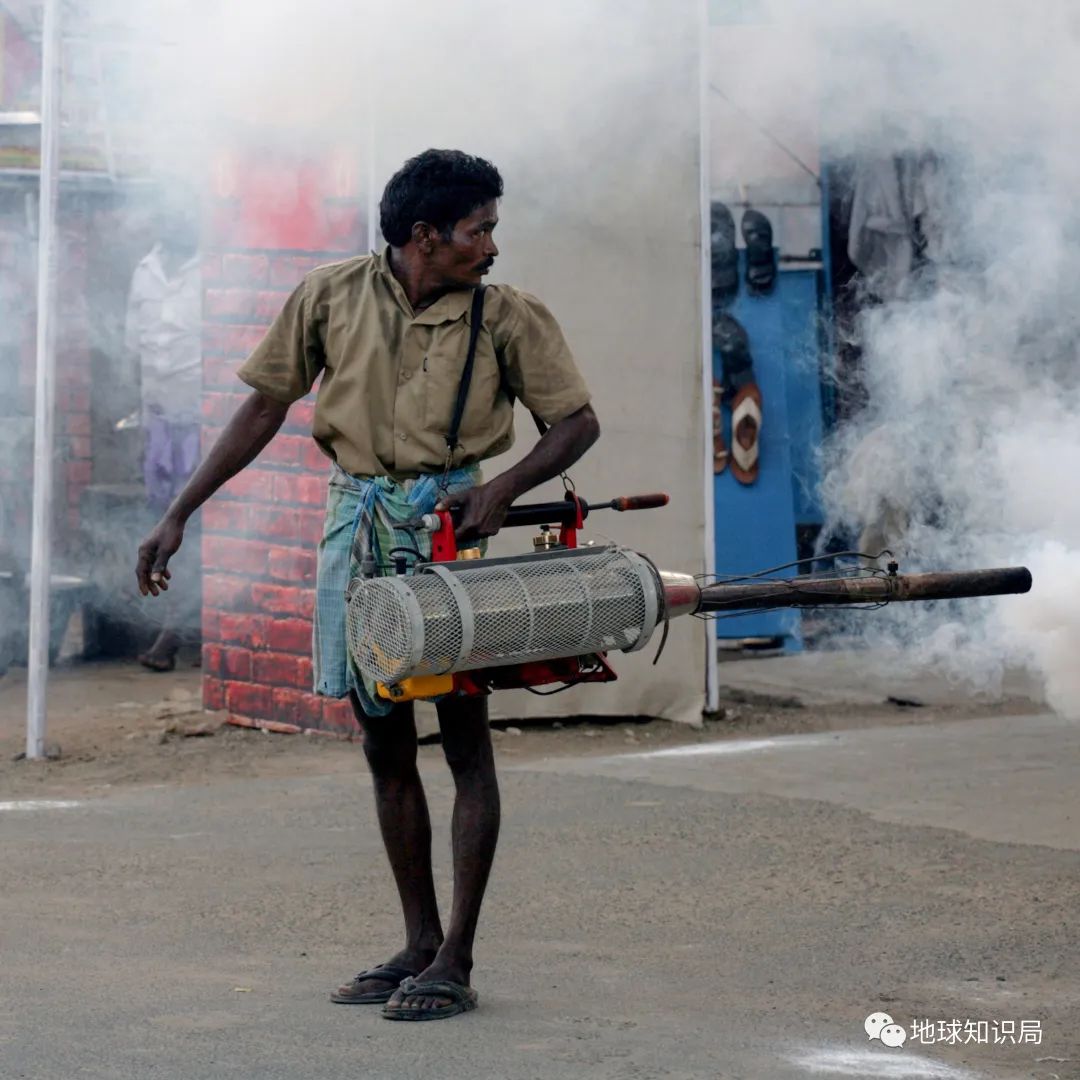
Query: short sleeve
{"type": "Point", "coordinates": [288, 360]}
{"type": "Point", "coordinates": [539, 365]}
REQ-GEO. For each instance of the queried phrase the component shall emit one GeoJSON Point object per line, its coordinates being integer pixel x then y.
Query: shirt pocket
{"type": "Point", "coordinates": [442, 370]}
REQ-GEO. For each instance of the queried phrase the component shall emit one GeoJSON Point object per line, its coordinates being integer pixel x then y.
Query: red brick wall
{"type": "Point", "coordinates": [261, 531]}
{"type": "Point", "coordinates": [73, 429]}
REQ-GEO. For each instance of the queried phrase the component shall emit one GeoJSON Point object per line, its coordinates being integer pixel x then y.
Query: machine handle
{"type": "Point", "coordinates": [554, 513]}
{"type": "Point", "coordinates": [638, 502]}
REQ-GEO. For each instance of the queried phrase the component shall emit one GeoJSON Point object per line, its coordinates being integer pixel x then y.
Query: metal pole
{"type": "Point", "coordinates": [372, 85]}
{"type": "Point", "coordinates": [44, 400]}
{"type": "Point", "coordinates": [832, 591]}
{"type": "Point", "coordinates": [372, 193]}
{"type": "Point", "coordinates": [712, 688]}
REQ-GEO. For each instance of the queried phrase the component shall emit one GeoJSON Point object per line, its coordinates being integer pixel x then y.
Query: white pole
{"type": "Point", "coordinates": [712, 688]}
{"type": "Point", "coordinates": [44, 400]}
{"type": "Point", "coordinates": [372, 193]}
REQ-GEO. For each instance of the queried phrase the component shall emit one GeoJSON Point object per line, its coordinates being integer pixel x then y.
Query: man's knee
{"type": "Point", "coordinates": [389, 742]}
{"type": "Point", "coordinates": [469, 756]}
{"type": "Point", "coordinates": [466, 738]}
{"type": "Point", "coordinates": [389, 757]}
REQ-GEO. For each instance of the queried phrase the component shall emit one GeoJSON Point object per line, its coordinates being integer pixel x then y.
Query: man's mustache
{"type": "Point", "coordinates": [487, 264]}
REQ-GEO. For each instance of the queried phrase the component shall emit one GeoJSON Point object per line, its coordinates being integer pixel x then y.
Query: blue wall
{"type": "Point", "coordinates": [755, 524]}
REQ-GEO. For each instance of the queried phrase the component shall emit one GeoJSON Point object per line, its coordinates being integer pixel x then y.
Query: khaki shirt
{"type": "Point", "coordinates": [390, 376]}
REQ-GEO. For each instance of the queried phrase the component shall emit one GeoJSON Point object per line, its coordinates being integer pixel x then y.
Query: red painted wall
{"type": "Point", "coordinates": [271, 220]}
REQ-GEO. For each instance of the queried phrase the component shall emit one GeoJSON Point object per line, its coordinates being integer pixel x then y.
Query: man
{"type": "Point", "coordinates": [389, 335]}
{"type": "Point", "coordinates": [163, 336]}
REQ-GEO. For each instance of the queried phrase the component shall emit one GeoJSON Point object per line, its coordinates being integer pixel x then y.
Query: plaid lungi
{"type": "Point", "coordinates": [360, 518]}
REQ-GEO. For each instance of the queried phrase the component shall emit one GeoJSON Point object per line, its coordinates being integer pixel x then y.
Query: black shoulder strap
{"type": "Point", "coordinates": [476, 317]}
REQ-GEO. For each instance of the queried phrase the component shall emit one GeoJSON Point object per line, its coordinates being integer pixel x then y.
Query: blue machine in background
{"type": "Point", "coordinates": [757, 524]}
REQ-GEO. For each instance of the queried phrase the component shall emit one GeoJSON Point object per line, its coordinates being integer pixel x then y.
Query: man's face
{"type": "Point", "coordinates": [463, 259]}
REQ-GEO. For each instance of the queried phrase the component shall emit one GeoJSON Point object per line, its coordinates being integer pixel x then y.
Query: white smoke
{"type": "Point", "coordinates": [968, 450]}
{"type": "Point", "coordinates": [970, 440]}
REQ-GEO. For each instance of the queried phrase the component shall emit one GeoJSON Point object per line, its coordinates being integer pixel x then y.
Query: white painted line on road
{"type": "Point", "coordinates": [39, 804]}
{"type": "Point", "coordinates": [730, 746]}
{"type": "Point", "coordinates": [878, 1065]}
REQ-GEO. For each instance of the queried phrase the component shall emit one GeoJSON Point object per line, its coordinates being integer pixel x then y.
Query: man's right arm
{"type": "Point", "coordinates": [244, 437]}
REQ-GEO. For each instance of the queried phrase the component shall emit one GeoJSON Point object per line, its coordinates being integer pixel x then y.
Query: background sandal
{"type": "Point", "coordinates": [746, 433]}
{"type": "Point", "coordinates": [390, 974]}
{"type": "Point", "coordinates": [720, 450]}
{"type": "Point", "coordinates": [760, 256]}
{"type": "Point", "coordinates": [732, 345]}
{"type": "Point", "coordinates": [724, 256]}
{"type": "Point", "coordinates": [462, 999]}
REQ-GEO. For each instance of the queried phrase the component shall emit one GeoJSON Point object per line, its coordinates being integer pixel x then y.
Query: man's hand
{"type": "Point", "coordinates": [155, 552]}
{"type": "Point", "coordinates": [481, 510]}
{"type": "Point", "coordinates": [248, 431]}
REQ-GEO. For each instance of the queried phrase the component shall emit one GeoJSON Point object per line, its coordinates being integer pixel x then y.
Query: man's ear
{"type": "Point", "coordinates": [424, 237]}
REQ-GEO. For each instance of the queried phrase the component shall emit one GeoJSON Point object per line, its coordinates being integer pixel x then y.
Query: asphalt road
{"type": "Point", "coordinates": [698, 913]}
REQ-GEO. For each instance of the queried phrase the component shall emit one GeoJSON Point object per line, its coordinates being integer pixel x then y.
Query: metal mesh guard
{"type": "Point", "coordinates": [497, 613]}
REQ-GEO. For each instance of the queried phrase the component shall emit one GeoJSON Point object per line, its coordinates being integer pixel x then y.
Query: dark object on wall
{"type": "Point", "coordinates": [746, 433]}
{"type": "Point", "coordinates": [737, 387]}
{"type": "Point", "coordinates": [725, 256]}
{"type": "Point", "coordinates": [732, 345]}
{"type": "Point", "coordinates": [760, 256]}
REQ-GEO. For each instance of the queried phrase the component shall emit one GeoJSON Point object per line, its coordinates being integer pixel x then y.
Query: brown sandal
{"type": "Point", "coordinates": [720, 450]}
{"type": "Point", "coordinates": [746, 433]}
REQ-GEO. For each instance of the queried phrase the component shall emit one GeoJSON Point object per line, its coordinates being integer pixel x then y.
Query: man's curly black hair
{"type": "Point", "coordinates": [438, 186]}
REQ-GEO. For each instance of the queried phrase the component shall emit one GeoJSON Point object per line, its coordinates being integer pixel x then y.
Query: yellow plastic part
{"type": "Point", "coordinates": [417, 688]}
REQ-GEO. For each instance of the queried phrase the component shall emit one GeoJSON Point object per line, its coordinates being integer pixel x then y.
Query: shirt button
{"type": "Point", "coordinates": [403, 436]}
{"type": "Point", "coordinates": [406, 374]}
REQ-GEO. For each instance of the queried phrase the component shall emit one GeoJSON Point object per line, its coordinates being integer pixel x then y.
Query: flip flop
{"type": "Point", "coordinates": [732, 345]}
{"type": "Point", "coordinates": [388, 973]}
{"type": "Point", "coordinates": [462, 999]}
{"type": "Point", "coordinates": [720, 450]}
{"type": "Point", "coordinates": [746, 433]}
{"type": "Point", "coordinates": [760, 256]}
{"type": "Point", "coordinates": [724, 256]}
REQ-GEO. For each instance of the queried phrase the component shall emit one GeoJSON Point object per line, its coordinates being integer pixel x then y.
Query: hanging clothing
{"type": "Point", "coordinates": [897, 212]}
{"type": "Point", "coordinates": [164, 331]}
{"type": "Point", "coordinates": [170, 455]}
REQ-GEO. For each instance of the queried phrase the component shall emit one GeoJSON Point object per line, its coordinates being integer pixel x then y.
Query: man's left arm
{"type": "Point", "coordinates": [483, 508]}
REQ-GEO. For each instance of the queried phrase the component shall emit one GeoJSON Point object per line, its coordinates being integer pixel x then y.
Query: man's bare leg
{"type": "Point", "coordinates": [466, 741]}
{"type": "Point", "coordinates": [390, 748]}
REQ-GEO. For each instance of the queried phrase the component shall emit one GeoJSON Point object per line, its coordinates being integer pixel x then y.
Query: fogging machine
{"type": "Point", "coordinates": [458, 623]}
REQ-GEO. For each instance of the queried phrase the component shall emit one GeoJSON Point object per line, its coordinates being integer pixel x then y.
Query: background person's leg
{"type": "Point", "coordinates": [159, 477]}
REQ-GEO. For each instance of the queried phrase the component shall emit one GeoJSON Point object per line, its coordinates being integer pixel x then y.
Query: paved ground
{"type": "Point", "coordinates": [867, 677]}
{"type": "Point", "coordinates": [729, 912]}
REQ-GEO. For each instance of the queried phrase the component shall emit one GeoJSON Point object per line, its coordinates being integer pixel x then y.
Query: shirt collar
{"type": "Point", "coordinates": [448, 308]}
